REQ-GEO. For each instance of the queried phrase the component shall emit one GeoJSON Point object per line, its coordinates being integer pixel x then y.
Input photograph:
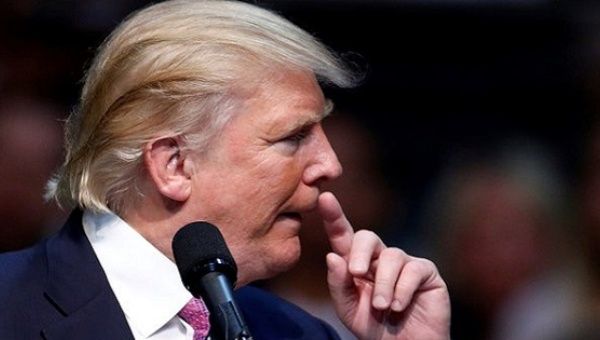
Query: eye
{"type": "Point", "coordinates": [293, 141]}
{"type": "Point", "coordinates": [298, 136]}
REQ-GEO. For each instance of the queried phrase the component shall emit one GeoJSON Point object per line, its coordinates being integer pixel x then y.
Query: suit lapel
{"type": "Point", "coordinates": [77, 287]}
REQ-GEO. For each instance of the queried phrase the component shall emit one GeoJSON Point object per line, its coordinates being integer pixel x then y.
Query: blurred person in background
{"type": "Point", "coordinates": [499, 225]}
{"type": "Point", "coordinates": [369, 200]}
{"type": "Point", "coordinates": [31, 137]}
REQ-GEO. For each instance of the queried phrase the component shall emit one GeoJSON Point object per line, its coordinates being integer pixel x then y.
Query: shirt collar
{"type": "Point", "coordinates": [145, 282]}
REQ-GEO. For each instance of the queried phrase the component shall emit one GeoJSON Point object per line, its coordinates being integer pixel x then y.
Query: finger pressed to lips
{"type": "Point", "coordinates": [395, 275]}
{"type": "Point", "coordinates": [338, 228]}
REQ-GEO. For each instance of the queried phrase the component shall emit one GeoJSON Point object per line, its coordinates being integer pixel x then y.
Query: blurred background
{"type": "Point", "coordinates": [474, 140]}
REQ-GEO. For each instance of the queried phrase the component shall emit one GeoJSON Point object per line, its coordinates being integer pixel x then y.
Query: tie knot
{"type": "Point", "coordinates": [196, 315]}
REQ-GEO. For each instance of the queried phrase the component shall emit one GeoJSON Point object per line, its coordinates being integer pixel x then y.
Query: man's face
{"type": "Point", "coordinates": [263, 172]}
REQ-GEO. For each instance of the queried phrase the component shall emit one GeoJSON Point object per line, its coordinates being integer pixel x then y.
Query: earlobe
{"type": "Point", "coordinates": [168, 169]}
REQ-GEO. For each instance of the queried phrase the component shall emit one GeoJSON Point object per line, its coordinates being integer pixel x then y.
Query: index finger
{"type": "Point", "coordinates": [338, 229]}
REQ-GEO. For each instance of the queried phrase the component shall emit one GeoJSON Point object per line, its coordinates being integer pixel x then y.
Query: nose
{"type": "Point", "coordinates": [324, 164]}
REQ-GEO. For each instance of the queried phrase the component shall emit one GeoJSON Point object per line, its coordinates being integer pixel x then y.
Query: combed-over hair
{"type": "Point", "coordinates": [172, 70]}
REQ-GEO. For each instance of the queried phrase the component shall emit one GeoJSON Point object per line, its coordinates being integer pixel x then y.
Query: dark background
{"type": "Point", "coordinates": [444, 82]}
{"type": "Point", "coordinates": [440, 76]}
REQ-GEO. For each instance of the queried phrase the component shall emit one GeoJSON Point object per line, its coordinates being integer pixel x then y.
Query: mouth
{"type": "Point", "coordinates": [296, 213]}
{"type": "Point", "coordinates": [292, 215]}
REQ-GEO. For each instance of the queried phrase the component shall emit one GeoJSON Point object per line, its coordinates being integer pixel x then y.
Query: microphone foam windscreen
{"type": "Point", "coordinates": [198, 243]}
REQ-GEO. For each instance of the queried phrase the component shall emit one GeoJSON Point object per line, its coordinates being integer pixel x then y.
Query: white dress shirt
{"type": "Point", "coordinates": [145, 282]}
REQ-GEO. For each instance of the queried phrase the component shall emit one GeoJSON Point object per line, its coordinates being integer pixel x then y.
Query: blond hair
{"type": "Point", "coordinates": [171, 70]}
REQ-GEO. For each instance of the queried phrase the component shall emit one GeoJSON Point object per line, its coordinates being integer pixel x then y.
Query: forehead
{"type": "Point", "coordinates": [286, 100]}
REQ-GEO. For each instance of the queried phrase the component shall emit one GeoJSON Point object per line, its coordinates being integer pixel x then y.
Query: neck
{"type": "Point", "coordinates": [156, 223]}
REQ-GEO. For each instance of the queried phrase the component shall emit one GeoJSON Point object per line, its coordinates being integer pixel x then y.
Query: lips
{"type": "Point", "coordinates": [292, 215]}
{"type": "Point", "coordinates": [296, 212]}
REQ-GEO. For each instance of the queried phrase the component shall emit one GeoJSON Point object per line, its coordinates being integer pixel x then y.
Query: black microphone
{"type": "Point", "coordinates": [208, 271]}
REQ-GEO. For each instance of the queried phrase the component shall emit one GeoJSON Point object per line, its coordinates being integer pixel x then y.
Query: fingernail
{"type": "Point", "coordinates": [396, 306]}
{"type": "Point", "coordinates": [379, 302]}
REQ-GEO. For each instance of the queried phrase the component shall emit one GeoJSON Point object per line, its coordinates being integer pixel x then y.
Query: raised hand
{"type": "Point", "coordinates": [381, 292]}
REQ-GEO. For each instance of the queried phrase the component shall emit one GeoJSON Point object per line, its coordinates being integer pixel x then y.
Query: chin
{"type": "Point", "coordinates": [286, 260]}
{"type": "Point", "coordinates": [270, 262]}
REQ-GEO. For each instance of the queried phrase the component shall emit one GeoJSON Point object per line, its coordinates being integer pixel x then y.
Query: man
{"type": "Point", "coordinates": [206, 110]}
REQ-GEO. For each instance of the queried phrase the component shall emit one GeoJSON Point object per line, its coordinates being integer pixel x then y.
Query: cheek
{"type": "Point", "coordinates": [288, 173]}
{"type": "Point", "coordinates": [275, 182]}
{"type": "Point", "coordinates": [251, 191]}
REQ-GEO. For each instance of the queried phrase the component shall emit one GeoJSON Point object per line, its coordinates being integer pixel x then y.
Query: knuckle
{"type": "Point", "coordinates": [420, 265]}
{"type": "Point", "coordinates": [366, 234]}
{"type": "Point", "coordinates": [415, 265]}
{"type": "Point", "coordinates": [391, 258]}
{"type": "Point", "coordinates": [394, 253]}
{"type": "Point", "coordinates": [385, 281]}
{"type": "Point", "coordinates": [428, 264]}
{"type": "Point", "coordinates": [401, 287]}
{"type": "Point", "coordinates": [367, 237]}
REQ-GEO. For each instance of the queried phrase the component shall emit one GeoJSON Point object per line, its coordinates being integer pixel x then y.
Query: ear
{"type": "Point", "coordinates": [169, 169]}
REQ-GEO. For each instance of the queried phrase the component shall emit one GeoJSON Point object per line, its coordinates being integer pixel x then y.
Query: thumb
{"type": "Point", "coordinates": [341, 286]}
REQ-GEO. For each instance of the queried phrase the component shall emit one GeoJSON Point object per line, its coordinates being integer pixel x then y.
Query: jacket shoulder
{"type": "Point", "coordinates": [271, 317]}
{"type": "Point", "coordinates": [22, 279]}
{"type": "Point", "coordinates": [22, 270]}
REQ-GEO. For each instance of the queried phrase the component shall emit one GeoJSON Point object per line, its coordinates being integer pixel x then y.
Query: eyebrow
{"type": "Point", "coordinates": [327, 109]}
{"type": "Point", "coordinates": [291, 127]}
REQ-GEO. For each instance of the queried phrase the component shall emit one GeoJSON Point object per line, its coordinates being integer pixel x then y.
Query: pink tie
{"type": "Point", "coordinates": [196, 315]}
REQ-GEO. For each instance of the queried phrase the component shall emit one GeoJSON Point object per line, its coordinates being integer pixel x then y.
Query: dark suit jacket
{"type": "Point", "coordinates": [58, 290]}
